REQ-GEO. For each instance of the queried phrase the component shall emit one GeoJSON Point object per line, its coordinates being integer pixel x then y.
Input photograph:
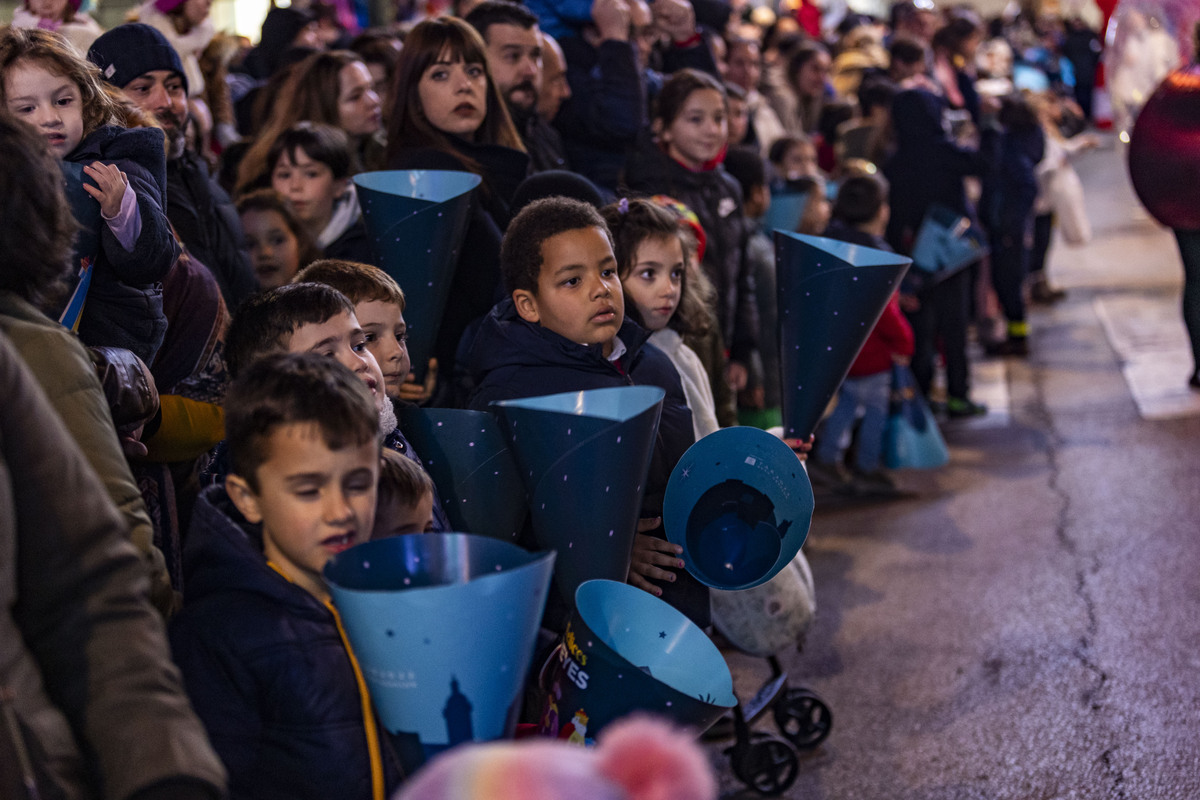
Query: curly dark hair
{"type": "Point", "coordinates": [521, 250]}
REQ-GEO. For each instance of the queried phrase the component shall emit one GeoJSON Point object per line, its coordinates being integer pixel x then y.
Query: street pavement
{"type": "Point", "coordinates": [1028, 625]}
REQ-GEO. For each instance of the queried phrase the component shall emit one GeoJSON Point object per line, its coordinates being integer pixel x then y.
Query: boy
{"type": "Point", "coordinates": [379, 307]}
{"type": "Point", "coordinates": [259, 643]}
{"type": "Point", "coordinates": [860, 216]}
{"type": "Point", "coordinates": [405, 503]}
{"type": "Point", "coordinates": [563, 329]}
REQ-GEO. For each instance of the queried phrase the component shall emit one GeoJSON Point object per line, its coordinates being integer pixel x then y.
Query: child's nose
{"type": "Point", "coordinates": [338, 510]}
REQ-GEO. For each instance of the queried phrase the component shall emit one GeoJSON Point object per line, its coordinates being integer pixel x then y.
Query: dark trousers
{"type": "Point", "coordinates": [1010, 265]}
{"type": "Point", "coordinates": [1043, 229]}
{"type": "Point", "coordinates": [1189, 250]}
{"type": "Point", "coordinates": [942, 319]}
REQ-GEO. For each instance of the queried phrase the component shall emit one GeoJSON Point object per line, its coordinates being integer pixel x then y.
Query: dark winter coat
{"type": "Point", "coordinates": [1011, 187]}
{"type": "Point", "coordinates": [716, 198]}
{"type": "Point", "coordinates": [207, 223]}
{"type": "Point", "coordinates": [124, 305]}
{"type": "Point", "coordinates": [542, 141]}
{"type": "Point", "coordinates": [266, 669]}
{"type": "Point", "coordinates": [512, 358]}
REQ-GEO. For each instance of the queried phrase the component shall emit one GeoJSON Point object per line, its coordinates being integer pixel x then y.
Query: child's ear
{"type": "Point", "coordinates": [656, 127]}
{"type": "Point", "coordinates": [341, 187]}
{"type": "Point", "coordinates": [526, 303]}
{"type": "Point", "coordinates": [244, 498]}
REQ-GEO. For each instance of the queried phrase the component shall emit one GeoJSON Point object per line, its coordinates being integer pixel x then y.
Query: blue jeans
{"type": "Point", "coordinates": [868, 394]}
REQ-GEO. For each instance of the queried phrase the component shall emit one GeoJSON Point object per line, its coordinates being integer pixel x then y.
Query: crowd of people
{"type": "Point", "coordinates": [203, 360]}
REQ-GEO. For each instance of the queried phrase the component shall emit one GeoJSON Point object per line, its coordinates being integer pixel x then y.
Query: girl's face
{"type": "Point", "coordinates": [453, 96]}
{"type": "Point", "coordinates": [309, 186]}
{"type": "Point", "coordinates": [655, 281]}
{"type": "Point", "coordinates": [48, 9]}
{"type": "Point", "coordinates": [699, 131]}
{"type": "Point", "coordinates": [359, 110]}
{"type": "Point", "coordinates": [810, 80]}
{"type": "Point", "coordinates": [274, 250]}
{"type": "Point", "coordinates": [50, 102]}
{"type": "Point", "coordinates": [800, 160]}
{"type": "Point", "coordinates": [196, 11]}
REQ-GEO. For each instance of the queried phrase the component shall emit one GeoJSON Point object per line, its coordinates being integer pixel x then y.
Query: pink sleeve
{"type": "Point", "coordinates": [127, 224]}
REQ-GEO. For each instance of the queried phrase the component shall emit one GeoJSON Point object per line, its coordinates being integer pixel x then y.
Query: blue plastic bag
{"type": "Point", "coordinates": [911, 439]}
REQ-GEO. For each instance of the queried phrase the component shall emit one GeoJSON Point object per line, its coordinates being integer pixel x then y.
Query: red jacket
{"type": "Point", "coordinates": [892, 336]}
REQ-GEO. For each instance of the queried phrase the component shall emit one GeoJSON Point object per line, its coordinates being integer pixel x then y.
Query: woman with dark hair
{"type": "Point", "coordinates": [333, 88]}
{"type": "Point", "coordinates": [807, 71]}
{"type": "Point", "coordinates": [448, 114]}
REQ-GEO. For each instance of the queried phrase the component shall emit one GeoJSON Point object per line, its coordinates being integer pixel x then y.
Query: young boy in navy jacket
{"type": "Point", "coordinates": [563, 329]}
{"type": "Point", "coordinates": [262, 651]}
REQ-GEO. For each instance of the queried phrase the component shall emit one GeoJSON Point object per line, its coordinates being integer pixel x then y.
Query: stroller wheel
{"type": "Point", "coordinates": [767, 764]}
{"type": "Point", "coordinates": [803, 718]}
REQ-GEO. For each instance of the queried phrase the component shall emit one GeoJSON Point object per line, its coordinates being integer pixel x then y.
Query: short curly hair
{"type": "Point", "coordinates": [521, 250]}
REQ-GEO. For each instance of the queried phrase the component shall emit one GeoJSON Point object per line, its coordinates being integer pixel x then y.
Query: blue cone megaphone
{"type": "Point", "coordinates": [626, 650]}
{"type": "Point", "coordinates": [584, 457]}
{"type": "Point", "coordinates": [443, 626]}
{"type": "Point", "coordinates": [416, 220]}
{"type": "Point", "coordinates": [830, 295]}
{"type": "Point", "coordinates": [740, 504]}
{"type": "Point", "coordinates": [476, 475]}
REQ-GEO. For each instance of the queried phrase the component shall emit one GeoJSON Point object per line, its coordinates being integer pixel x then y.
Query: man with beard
{"type": "Point", "coordinates": [514, 49]}
{"type": "Point", "coordinates": [139, 61]}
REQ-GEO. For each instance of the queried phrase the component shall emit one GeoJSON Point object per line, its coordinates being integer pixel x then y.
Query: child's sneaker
{"type": "Point", "coordinates": [960, 408]}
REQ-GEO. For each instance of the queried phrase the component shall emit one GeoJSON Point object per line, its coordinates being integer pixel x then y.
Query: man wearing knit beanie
{"type": "Point", "coordinates": [138, 60]}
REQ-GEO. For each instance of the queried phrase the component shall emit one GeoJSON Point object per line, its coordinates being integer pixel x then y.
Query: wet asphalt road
{"type": "Point", "coordinates": [1028, 626]}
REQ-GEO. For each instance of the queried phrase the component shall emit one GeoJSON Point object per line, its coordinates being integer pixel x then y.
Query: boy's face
{"type": "Point", "coordinates": [387, 340]}
{"type": "Point", "coordinates": [313, 502]}
{"type": "Point", "coordinates": [578, 292]}
{"type": "Point", "coordinates": [341, 338]}
{"type": "Point", "coordinates": [393, 518]}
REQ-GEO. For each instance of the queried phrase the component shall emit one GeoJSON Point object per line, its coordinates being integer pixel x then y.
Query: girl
{"type": "Point", "coordinates": [792, 158]}
{"type": "Point", "coordinates": [652, 264]}
{"type": "Point", "coordinates": [334, 89]}
{"type": "Point", "coordinates": [279, 243]}
{"type": "Point", "coordinates": [690, 122]}
{"type": "Point", "coordinates": [310, 166]}
{"type": "Point", "coordinates": [47, 84]}
{"type": "Point", "coordinates": [61, 16]}
{"type": "Point", "coordinates": [448, 114]}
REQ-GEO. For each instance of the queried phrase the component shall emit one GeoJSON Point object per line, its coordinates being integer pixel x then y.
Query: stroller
{"type": "Point", "coordinates": [764, 621]}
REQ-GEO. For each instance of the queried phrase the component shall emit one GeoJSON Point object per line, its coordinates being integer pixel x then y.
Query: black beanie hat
{"type": "Point", "coordinates": [130, 51]}
{"type": "Point", "coordinates": [555, 183]}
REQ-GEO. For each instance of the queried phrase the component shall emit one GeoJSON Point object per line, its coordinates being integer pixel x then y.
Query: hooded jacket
{"type": "Point", "coordinates": [267, 672]}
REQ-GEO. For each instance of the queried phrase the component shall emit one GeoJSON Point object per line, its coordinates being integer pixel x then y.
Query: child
{"type": "Point", "coordinates": [405, 503]}
{"type": "Point", "coordinates": [279, 245]}
{"type": "Point", "coordinates": [47, 84]}
{"type": "Point", "coordinates": [652, 265]}
{"type": "Point", "coordinates": [690, 121]}
{"type": "Point", "coordinates": [563, 329]}
{"type": "Point", "coordinates": [860, 216]}
{"type": "Point", "coordinates": [379, 307]}
{"type": "Point", "coordinates": [815, 216]}
{"type": "Point", "coordinates": [61, 16]}
{"type": "Point", "coordinates": [261, 647]}
{"type": "Point", "coordinates": [310, 165]}
{"type": "Point", "coordinates": [761, 404]}
{"type": "Point", "coordinates": [792, 158]}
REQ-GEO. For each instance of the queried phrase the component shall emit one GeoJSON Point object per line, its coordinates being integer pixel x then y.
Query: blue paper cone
{"type": "Point", "coordinates": [785, 211]}
{"type": "Point", "coordinates": [625, 650]}
{"type": "Point", "coordinates": [740, 504]}
{"type": "Point", "coordinates": [830, 295]}
{"type": "Point", "coordinates": [416, 220]}
{"type": "Point", "coordinates": [443, 626]}
{"type": "Point", "coordinates": [475, 472]}
{"type": "Point", "coordinates": [584, 457]}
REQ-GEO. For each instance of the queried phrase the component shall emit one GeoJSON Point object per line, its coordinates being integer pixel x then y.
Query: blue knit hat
{"type": "Point", "coordinates": [130, 51]}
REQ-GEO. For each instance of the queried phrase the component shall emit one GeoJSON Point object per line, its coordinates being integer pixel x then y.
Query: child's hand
{"type": "Point", "coordinates": [612, 19]}
{"type": "Point", "coordinates": [676, 18]}
{"type": "Point", "coordinates": [650, 555]}
{"type": "Point", "coordinates": [736, 375]}
{"type": "Point", "coordinates": [910, 303]}
{"type": "Point", "coordinates": [109, 189]}
{"type": "Point", "coordinates": [801, 447]}
{"type": "Point", "coordinates": [414, 392]}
